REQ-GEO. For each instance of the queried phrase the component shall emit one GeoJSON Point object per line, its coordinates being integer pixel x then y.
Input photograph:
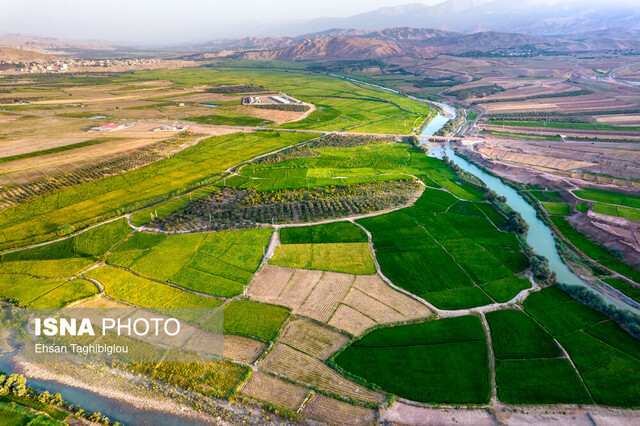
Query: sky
{"type": "Point", "coordinates": [167, 21]}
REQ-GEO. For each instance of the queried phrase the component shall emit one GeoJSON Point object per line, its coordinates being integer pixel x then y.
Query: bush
{"type": "Point", "coordinates": [65, 230]}
{"type": "Point", "coordinates": [516, 223]}
{"type": "Point", "coordinates": [541, 270]}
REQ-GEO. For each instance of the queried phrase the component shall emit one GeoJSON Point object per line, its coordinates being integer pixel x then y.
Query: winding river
{"type": "Point", "coordinates": [539, 238]}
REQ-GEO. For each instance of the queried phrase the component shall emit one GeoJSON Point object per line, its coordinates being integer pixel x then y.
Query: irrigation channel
{"type": "Point", "coordinates": [539, 238]}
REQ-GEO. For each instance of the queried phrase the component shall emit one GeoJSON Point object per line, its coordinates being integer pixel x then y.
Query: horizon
{"type": "Point", "coordinates": [145, 23]}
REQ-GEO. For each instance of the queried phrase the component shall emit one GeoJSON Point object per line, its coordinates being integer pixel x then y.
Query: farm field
{"type": "Point", "coordinates": [559, 209]}
{"type": "Point", "coordinates": [617, 211]}
{"type": "Point", "coordinates": [529, 365]}
{"type": "Point", "coordinates": [443, 361]}
{"type": "Point", "coordinates": [609, 197]}
{"type": "Point", "coordinates": [444, 250]}
{"type": "Point", "coordinates": [347, 302]}
{"type": "Point", "coordinates": [606, 357]}
{"type": "Point", "coordinates": [348, 258]}
{"type": "Point", "coordinates": [219, 264]}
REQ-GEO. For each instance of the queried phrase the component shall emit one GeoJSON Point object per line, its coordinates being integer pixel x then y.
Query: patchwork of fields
{"type": "Point", "coordinates": [422, 296]}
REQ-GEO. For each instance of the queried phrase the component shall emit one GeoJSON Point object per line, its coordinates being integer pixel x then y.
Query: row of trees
{"type": "Point", "coordinates": [238, 209]}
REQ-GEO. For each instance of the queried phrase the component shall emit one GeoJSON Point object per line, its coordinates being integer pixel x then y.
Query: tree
{"type": "Point", "coordinates": [516, 223]}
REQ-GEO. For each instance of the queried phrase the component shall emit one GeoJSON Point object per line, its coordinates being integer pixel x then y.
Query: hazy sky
{"type": "Point", "coordinates": [167, 21]}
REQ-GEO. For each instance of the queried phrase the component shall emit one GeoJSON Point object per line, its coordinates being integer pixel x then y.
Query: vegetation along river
{"type": "Point", "coordinates": [540, 238]}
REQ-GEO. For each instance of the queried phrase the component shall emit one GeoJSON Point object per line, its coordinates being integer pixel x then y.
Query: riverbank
{"type": "Point", "coordinates": [182, 414]}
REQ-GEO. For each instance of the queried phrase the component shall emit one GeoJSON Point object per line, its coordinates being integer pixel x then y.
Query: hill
{"type": "Point", "coordinates": [11, 54]}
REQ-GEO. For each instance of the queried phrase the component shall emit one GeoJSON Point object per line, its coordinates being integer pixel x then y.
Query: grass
{"type": "Point", "coordinates": [617, 211]}
{"type": "Point", "coordinates": [349, 258]}
{"type": "Point", "coordinates": [624, 287]}
{"type": "Point", "coordinates": [558, 313]}
{"type": "Point", "coordinates": [505, 289]}
{"type": "Point", "coordinates": [560, 209]}
{"type": "Point", "coordinates": [336, 232]}
{"type": "Point", "coordinates": [94, 242]}
{"type": "Point", "coordinates": [582, 207]}
{"type": "Point", "coordinates": [607, 358]}
{"type": "Point", "coordinates": [253, 319]}
{"type": "Point", "coordinates": [130, 288]}
{"type": "Point", "coordinates": [39, 219]}
{"type": "Point", "coordinates": [46, 268]}
{"type": "Point", "coordinates": [526, 136]}
{"type": "Point", "coordinates": [442, 361]}
{"type": "Point", "coordinates": [68, 292]}
{"type": "Point", "coordinates": [516, 336]}
{"type": "Point", "coordinates": [219, 263]}
{"type": "Point", "coordinates": [593, 250]}
{"type": "Point", "coordinates": [443, 256]}
{"type": "Point", "coordinates": [539, 381]}
{"type": "Point", "coordinates": [18, 415]}
{"type": "Point", "coordinates": [24, 289]}
{"type": "Point", "coordinates": [609, 197]}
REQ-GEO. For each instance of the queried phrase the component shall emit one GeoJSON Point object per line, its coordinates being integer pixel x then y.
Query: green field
{"type": "Point", "coordinates": [609, 197]}
{"type": "Point", "coordinates": [143, 292]}
{"type": "Point", "coordinates": [219, 263]}
{"type": "Point", "coordinates": [252, 319]}
{"type": "Point", "coordinates": [349, 258]}
{"type": "Point", "coordinates": [618, 211]}
{"type": "Point", "coordinates": [607, 358]}
{"type": "Point", "coordinates": [593, 250]}
{"type": "Point", "coordinates": [336, 232]}
{"type": "Point", "coordinates": [446, 257]}
{"type": "Point", "coordinates": [230, 119]}
{"type": "Point", "coordinates": [625, 288]}
{"type": "Point", "coordinates": [340, 104]}
{"type": "Point", "coordinates": [442, 361]}
{"type": "Point", "coordinates": [560, 209]}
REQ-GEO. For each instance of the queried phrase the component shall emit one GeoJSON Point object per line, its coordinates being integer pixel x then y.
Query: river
{"type": "Point", "coordinates": [540, 238]}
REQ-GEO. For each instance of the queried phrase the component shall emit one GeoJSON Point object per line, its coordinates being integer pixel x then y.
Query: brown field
{"type": "Point", "coordinates": [270, 389]}
{"type": "Point", "coordinates": [268, 284]}
{"type": "Point", "coordinates": [578, 133]}
{"type": "Point", "coordinates": [620, 120]}
{"type": "Point", "coordinates": [242, 349]}
{"type": "Point", "coordinates": [207, 343]}
{"type": "Point", "coordinates": [584, 103]}
{"type": "Point", "coordinates": [330, 411]}
{"type": "Point", "coordinates": [533, 160]}
{"type": "Point", "coordinates": [307, 369]}
{"type": "Point", "coordinates": [230, 346]}
{"type": "Point", "coordinates": [377, 311]}
{"type": "Point", "coordinates": [350, 320]}
{"type": "Point", "coordinates": [611, 164]}
{"type": "Point", "coordinates": [326, 296]}
{"type": "Point", "coordinates": [378, 289]}
{"type": "Point", "coordinates": [348, 302]}
{"type": "Point", "coordinates": [313, 339]}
